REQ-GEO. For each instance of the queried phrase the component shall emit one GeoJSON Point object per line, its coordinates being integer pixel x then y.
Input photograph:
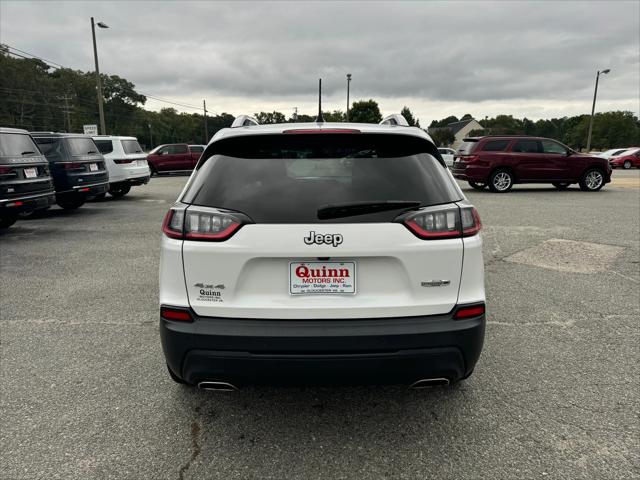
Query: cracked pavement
{"type": "Point", "coordinates": [85, 394]}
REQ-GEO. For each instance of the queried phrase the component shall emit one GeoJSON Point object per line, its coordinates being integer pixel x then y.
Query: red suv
{"type": "Point", "coordinates": [174, 157]}
{"type": "Point", "coordinates": [501, 161]}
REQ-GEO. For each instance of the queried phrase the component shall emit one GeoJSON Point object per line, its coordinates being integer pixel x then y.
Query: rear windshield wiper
{"type": "Point", "coordinates": [340, 210]}
{"type": "Point", "coordinates": [28, 152]}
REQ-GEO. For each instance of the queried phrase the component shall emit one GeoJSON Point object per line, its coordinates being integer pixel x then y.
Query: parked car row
{"type": "Point", "coordinates": [499, 162]}
{"type": "Point", "coordinates": [627, 158]}
{"type": "Point", "coordinates": [39, 169]}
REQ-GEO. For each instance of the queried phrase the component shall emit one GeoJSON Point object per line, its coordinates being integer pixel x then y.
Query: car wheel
{"type": "Point", "coordinates": [8, 220]}
{"type": "Point", "coordinates": [478, 185]}
{"type": "Point", "coordinates": [70, 203]}
{"type": "Point", "coordinates": [501, 181]}
{"type": "Point", "coordinates": [627, 164]}
{"type": "Point", "coordinates": [153, 171]}
{"type": "Point", "coordinates": [174, 377]}
{"type": "Point", "coordinates": [561, 185]}
{"type": "Point", "coordinates": [592, 180]}
{"type": "Point", "coordinates": [118, 191]}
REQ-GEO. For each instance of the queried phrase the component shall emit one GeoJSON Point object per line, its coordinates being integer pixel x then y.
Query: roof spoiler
{"type": "Point", "coordinates": [395, 119]}
{"type": "Point", "coordinates": [244, 121]}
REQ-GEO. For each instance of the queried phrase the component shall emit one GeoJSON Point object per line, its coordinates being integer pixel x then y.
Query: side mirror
{"type": "Point", "coordinates": [159, 152]}
{"type": "Point", "coordinates": [569, 153]}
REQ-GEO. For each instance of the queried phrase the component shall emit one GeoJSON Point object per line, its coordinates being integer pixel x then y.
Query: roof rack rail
{"type": "Point", "coordinates": [244, 121]}
{"type": "Point", "coordinates": [395, 119]}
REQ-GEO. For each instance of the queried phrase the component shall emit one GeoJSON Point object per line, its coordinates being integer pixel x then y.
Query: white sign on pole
{"type": "Point", "coordinates": [90, 129]}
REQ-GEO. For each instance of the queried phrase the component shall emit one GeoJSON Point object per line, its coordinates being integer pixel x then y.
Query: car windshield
{"type": "Point", "coordinates": [82, 146]}
{"type": "Point", "coordinates": [17, 144]}
{"type": "Point", "coordinates": [131, 146]}
{"type": "Point", "coordinates": [290, 178]}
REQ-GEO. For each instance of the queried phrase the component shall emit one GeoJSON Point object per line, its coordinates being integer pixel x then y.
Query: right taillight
{"type": "Point", "coordinates": [443, 223]}
{"type": "Point", "coordinates": [200, 224]}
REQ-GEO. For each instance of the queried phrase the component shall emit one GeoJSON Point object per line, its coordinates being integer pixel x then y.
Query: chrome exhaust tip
{"type": "Point", "coordinates": [217, 386]}
{"type": "Point", "coordinates": [430, 382]}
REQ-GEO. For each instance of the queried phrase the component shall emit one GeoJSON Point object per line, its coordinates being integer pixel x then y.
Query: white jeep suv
{"type": "Point", "coordinates": [125, 161]}
{"type": "Point", "coordinates": [321, 253]}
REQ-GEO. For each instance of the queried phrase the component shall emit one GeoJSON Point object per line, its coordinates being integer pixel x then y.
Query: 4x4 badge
{"type": "Point", "coordinates": [334, 239]}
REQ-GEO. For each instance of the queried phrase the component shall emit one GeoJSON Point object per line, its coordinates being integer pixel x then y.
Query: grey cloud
{"type": "Point", "coordinates": [446, 51]}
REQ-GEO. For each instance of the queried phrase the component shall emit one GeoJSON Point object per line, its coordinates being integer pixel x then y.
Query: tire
{"type": "Point", "coordinates": [118, 191]}
{"type": "Point", "coordinates": [592, 180]}
{"type": "Point", "coordinates": [174, 377]}
{"type": "Point", "coordinates": [501, 181]}
{"type": "Point", "coordinates": [477, 185]}
{"type": "Point", "coordinates": [7, 221]}
{"type": "Point", "coordinates": [561, 185]}
{"type": "Point", "coordinates": [627, 164]}
{"type": "Point", "coordinates": [71, 202]}
{"type": "Point", "coordinates": [153, 171]}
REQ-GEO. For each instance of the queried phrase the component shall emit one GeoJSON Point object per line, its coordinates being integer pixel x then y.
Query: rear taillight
{"type": "Point", "coordinates": [196, 224]}
{"type": "Point", "coordinates": [438, 224]}
{"type": "Point", "coordinates": [470, 311]}
{"type": "Point", "coordinates": [468, 158]}
{"type": "Point", "coordinates": [122, 161]}
{"type": "Point", "coordinates": [6, 171]}
{"type": "Point", "coordinates": [71, 166]}
{"type": "Point", "coordinates": [179, 314]}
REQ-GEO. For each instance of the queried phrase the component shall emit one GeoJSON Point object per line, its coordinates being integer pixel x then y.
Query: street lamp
{"type": "Point", "coordinates": [103, 128]}
{"type": "Point", "coordinates": [348, 82]}
{"type": "Point", "coordinates": [593, 107]}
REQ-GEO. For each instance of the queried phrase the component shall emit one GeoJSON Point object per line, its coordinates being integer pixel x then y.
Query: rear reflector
{"type": "Point", "coordinates": [468, 312]}
{"type": "Point", "coordinates": [84, 189]}
{"type": "Point", "coordinates": [15, 204]}
{"type": "Point", "coordinates": [322, 130]}
{"type": "Point", "coordinates": [176, 314]}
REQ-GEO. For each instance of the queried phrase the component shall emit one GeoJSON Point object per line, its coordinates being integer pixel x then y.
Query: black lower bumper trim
{"type": "Point", "coordinates": [277, 352]}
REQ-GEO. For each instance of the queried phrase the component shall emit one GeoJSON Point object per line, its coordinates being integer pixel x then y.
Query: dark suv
{"type": "Point", "coordinates": [25, 184]}
{"type": "Point", "coordinates": [77, 167]}
{"type": "Point", "coordinates": [501, 161]}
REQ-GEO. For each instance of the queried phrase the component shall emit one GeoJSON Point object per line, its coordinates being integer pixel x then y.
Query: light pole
{"type": "Point", "coordinates": [103, 128]}
{"type": "Point", "coordinates": [593, 107]}
{"type": "Point", "coordinates": [348, 82]}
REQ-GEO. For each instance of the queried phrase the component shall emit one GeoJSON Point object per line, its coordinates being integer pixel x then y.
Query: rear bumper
{"type": "Point", "coordinates": [27, 203]}
{"type": "Point", "coordinates": [474, 173]}
{"type": "Point", "coordinates": [375, 351]}
{"type": "Point", "coordinates": [138, 180]}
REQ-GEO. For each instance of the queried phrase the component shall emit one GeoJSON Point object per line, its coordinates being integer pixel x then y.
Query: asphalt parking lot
{"type": "Point", "coordinates": [85, 393]}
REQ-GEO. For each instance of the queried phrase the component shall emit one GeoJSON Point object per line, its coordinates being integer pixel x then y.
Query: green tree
{"type": "Point", "coordinates": [467, 116]}
{"type": "Point", "coordinates": [335, 116]}
{"type": "Point", "coordinates": [365, 111]}
{"type": "Point", "coordinates": [444, 122]}
{"type": "Point", "coordinates": [270, 117]}
{"type": "Point", "coordinates": [411, 120]}
{"type": "Point", "coordinates": [443, 137]}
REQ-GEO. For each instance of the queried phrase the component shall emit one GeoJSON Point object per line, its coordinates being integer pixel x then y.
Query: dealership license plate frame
{"type": "Point", "coordinates": [321, 290]}
{"type": "Point", "coordinates": [93, 167]}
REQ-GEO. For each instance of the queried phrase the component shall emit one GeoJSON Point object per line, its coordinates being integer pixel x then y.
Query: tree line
{"type": "Point", "coordinates": [34, 96]}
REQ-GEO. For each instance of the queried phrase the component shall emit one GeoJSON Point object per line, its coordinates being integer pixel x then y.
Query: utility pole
{"type": "Point", "coordinates": [593, 107]}
{"type": "Point", "coordinates": [150, 136]}
{"type": "Point", "coordinates": [348, 84]}
{"type": "Point", "coordinates": [103, 128]}
{"type": "Point", "coordinates": [295, 114]}
{"type": "Point", "coordinates": [67, 112]}
{"type": "Point", "coordinates": [206, 128]}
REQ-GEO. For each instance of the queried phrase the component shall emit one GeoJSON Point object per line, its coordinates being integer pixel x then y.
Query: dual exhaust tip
{"type": "Point", "coordinates": [229, 387]}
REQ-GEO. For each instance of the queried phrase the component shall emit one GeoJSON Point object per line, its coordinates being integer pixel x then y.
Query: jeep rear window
{"type": "Point", "coordinates": [495, 145]}
{"type": "Point", "coordinates": [81, 146]}
{"type": "Point", "coordinates": [467, 146]}
{"type": "Point", "coordinates": [287, 178]}
{"type": "Point", "coordinates": [131, 146]}
{"type": "Point", "coordinates": [18, 145]}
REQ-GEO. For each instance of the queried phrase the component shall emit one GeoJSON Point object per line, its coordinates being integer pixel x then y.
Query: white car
{"type": "Point", "coordinates": [125, 161]}
{"type": "Point", "coordinates": [447, 155]}
{"type": "Point", "coordinates": [321, 253]}
{"type": "Point", "coordinates": [610, 153]}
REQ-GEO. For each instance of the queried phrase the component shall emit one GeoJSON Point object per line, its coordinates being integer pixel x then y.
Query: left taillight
{"type": "Point", "coordinates": [200, 224]}
{"type": "Point", "coordinates": [443, 223]}
{"type": "Point", "coordinates": [176, 314]}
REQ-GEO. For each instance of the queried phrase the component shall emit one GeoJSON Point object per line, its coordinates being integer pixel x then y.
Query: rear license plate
{"type": "Point", "coordinates": [93, 167]}
{"type": "Point", "coordinates": [30, 172]}
{"type": "Point", "coordinates": [310, 278]}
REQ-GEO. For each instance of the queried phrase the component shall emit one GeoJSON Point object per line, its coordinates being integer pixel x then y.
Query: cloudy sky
{"type": "Point", "coordinates": [534, 59]}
